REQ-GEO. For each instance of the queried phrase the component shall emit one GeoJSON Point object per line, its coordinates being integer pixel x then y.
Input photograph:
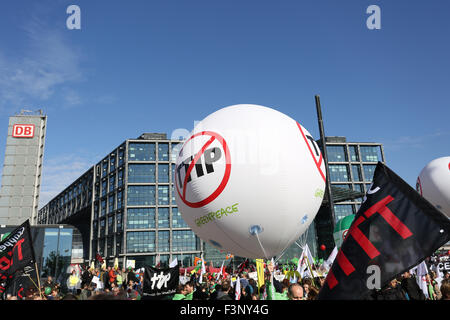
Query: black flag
{"type": "Point", "coordinates": [158, 282]}
{"type": "Point", "coordinates": [16, 253]}
{"type": "Point", "coordinates": [394, 230]}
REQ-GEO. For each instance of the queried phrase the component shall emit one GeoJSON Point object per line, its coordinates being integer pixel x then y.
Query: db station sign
{"type": "Point", "coordinates": [23, 131]}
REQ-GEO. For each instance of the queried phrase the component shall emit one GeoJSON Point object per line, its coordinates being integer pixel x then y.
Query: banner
{"type": "Point", "coordinates": [158, 282]}
{"type": "Point", "coordinates": [394, 230]}
{"type": "Point", "coordinates": [16, 253]}
{"type": "Point", "coordinates": [260, 271]}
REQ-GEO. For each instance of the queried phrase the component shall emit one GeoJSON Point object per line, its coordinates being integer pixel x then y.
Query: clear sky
{"type": "Point", "coordinates": [156, 66]}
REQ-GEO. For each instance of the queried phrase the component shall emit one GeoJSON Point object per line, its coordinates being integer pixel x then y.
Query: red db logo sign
{"type": "Point", "coordinates": [23, 131]}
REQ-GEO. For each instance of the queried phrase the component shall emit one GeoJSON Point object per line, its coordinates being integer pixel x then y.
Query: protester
{"type": "Point", "coordinates": [411, 288]}
{"type": "Point", "coordinates": [73, 283]}
{"type": "Point", "coordinates": [392, 291]}
{"type": "Point", "coordinates": [108, 283]}
{"type": "Point", "coordinates": [445, 289]}
{"type": "Point", "coordinates": [295, 292]}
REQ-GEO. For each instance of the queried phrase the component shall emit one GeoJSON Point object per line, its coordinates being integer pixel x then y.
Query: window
{"type": "Point", "coordinates": [120, 179]}
{"type": "Point", "coordinates": [163, 241]}
{"type": "Point", "coordinates": [177, 220]}
{"type": "Point", "coordinates": [112, 182]}
{"type": "Point", "coordinates": [163, 152]}
{"type": "Point", "coordinates": [356, 171]}
{"type": "Point", "coordinates": [121, 159]}
{"type": "Point", "coordinates": [104, 187]}
{"type": "Point", "coordinates": [358, 187]}
{"type": "Point", "coordinates": [103, 208]}
{"type": "Point", "coordinates": [371, 153]}
{"type": "Point", "coordinates": [111, 203]}
{"type": "Point", "coordinates": [112, 162]}
{"type": "Point", "coordinates": [119, 244]}
{"type": "Point", "coordinates": [336, 154]}
{"type": "Point", "coordinates": [163, 173]}
{"type": "Point", "coordinates": [163, 195]}
{"type": "Point", "coordinates": [97, 192]}
{"type": "Point", "coordinates": [141, 195]}
{"type": "Point", "coordinates": [104, 168]}
{"type": "Point", "coordinates": [369, 170]}
{"type": "Point", "coordinates": [119, 222]}
{"type": "Point", "coordinates": [94, 229]}
{"type": "Point", "coordinates": [140, 218]}
{"type": "Point", "coordinates": [174, 202]}
{"type": "Point", "coordinates": [176, 147]}
{"type": "Point", "coordinates": [184, 240]}
{"type": "Point", "coordinates": [353, 153]}
{"type": "Point", "coordinates": [110, 246]}
{"type": "Point", "coordinates": [119, 200]}
{"type": "Point", "coordinates": [141, 152]}
{"type": "Point", "coordinates": [111, 224]}
{"type": "Point", "coordinates": [141, 173]}
{"type": "Point", "coordinates": [101, 247]}
{"type": "Point", "coordinates": [102, 227]}
{"type": "Point", "coordinates": [339, 173]}
{"type": "Point", "coordinates": [163, 218]}
{"type": "Point", "coordinates": [96, 211]}
{"type": "Point", "coordinates": [140, 241]}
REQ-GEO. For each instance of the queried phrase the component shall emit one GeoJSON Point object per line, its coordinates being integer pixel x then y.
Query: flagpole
{"type": "Point", "coordinates": [38, 278]}
{"type": "Point", "coordinates": [310, 270]}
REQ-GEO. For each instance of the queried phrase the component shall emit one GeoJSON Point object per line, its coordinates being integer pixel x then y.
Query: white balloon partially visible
{"type": "Point", "coordinates": [433, 184]}
{"type": "Point", "coordinates": [249, 180]}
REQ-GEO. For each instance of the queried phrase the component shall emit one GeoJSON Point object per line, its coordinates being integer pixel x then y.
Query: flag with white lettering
{"type": "Point", "coordinates": [16, 253]}
{"type": "Point", "coordinates": [158, 282]}
{"type": "Point", "coordinates": [394, 230]}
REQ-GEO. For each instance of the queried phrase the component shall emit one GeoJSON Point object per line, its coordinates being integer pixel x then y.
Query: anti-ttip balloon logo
{"type": "Point", "coordinates": [205, 161]}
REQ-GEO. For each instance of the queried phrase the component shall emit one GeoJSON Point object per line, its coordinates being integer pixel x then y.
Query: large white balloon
{"type": "Point", "coordinates": [433, 183]}
{"type": "Point", "coordinates": [249, 180]}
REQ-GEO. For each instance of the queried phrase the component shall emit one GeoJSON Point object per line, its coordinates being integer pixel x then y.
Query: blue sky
{"type": "Point", "coordinates": [156, 66]}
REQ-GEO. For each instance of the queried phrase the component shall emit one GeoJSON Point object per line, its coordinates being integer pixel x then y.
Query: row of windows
{"type": "Point", "coordinates": [338, 153]}
{"type": "Point", "coordinates": [145, 151]}
{"type": "Point", "coordinates": [145, 241]}
{"type": "Point", "coordinates": [146, 173]}
{"type": "Point", "coordinates": [146, 195]}
{"type": "Point", "coordinates": [116, 159]}
{"type": "Point", "coordinates": [139, 218]}
{"type": "Point", "coordinates": [145, 218]}
{"type": "Point", "coordinates": [341, 172]}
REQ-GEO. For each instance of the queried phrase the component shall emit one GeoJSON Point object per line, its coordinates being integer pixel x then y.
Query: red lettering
{"type": "Point", "coordinates": [362, 240]}
{"type": "Point", "coordinates": [27, 131]}
{"type": "Point", "coordinates": [18, 245]}
{"type": "Point", "coordinates": [18, 130]}
{"type": "Point", "coordinates": [331, 280]}
{"type": "Point", "coordinates": [390, 218]}
{"type": "Point", "coordinates": [4, 263]}
{"type": "Point", "coordinates": [343, 262]}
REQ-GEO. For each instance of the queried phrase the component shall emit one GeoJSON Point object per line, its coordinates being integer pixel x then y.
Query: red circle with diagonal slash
{"type": "Point", "coordinates": [197, 156]}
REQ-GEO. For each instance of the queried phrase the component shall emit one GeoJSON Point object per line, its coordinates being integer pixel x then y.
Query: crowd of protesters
{"type": "Point", "coordinates": [103, 283]}
{"type": "Point", "coordinates": [112, 283]}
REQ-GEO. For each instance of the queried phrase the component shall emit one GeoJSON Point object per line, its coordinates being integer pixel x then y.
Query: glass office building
{"type": "Point", "coordinates": [351, 166]}
{"type": "Point", "coordinates": [124, 206]}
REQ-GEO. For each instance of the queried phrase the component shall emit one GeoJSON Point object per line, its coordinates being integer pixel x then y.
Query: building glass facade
{"type": "Point", "coordinates": [131, 213]}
